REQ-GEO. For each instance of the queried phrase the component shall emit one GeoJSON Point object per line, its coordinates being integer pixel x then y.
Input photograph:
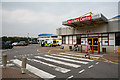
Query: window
{"type": "Point", "coordinates": [78, 39]}
{"type": "Point", "coordinates": [117, 38]}
{"type": "Point", "coordinates": [63, 39]}
{"type": "Point", "coordinates": [105, 41]}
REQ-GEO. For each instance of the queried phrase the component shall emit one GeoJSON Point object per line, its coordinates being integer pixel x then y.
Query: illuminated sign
{"type": "Point", "coordinates": [79, 19]}
{"type": "Point", "coordinates": [74, 41]}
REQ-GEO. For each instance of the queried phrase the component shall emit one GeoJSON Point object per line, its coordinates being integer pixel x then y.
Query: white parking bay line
{"type": "Point", "coordinates": [59, 62]}
{"type": "Point", "coordinates": [67, 59]}
{"type": "Point", "coordinates": [97, 63]}
{"type": "Point", "coordinates": [82, 71]}
{"type": "Point", "coordinates": [73, 57]}
{"type": "Point", "coordinates": [57, 68]}
{"type": "Point", "coordinates": [69, 77]}
{"type": "Point", "coordinates": [35, 70]}
{"type": "Point", "coordinates": [90, 66]}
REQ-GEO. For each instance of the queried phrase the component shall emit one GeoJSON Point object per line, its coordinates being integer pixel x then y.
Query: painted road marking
{"type": "Point", "coordinates": [67, 59]}
{"type": "Point", "coordinates": [94, 57]}
{"type": "Point", "coordinates": [15, 56]}
{"type": "Point", "coordinates": [82, 71]}
{"type": "Point", "coordinates": [73, 57]}
{"type": "Point", "coordinates": [97, 63]}
{"type": "Point", "coordinates": [59, 62]}
{"type": "Point", "coordinates": [82, 55]}
{"type": "Point", "coordinates": [69, 77]}
{"type": "Point", "coordinates": [57, 68]}
{"type": "Point", "coordinates": [9, 65]}
{"type": "Point", "coordinates": [35, 70]}
{"type": "Point", "coordinates": [90, 66]}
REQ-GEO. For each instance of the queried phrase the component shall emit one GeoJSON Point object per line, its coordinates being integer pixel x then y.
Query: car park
{"type": "Point", "coordinates": [22, 43]}
{"type": "Point", "coordinates": [5, 45]}
{"type": "Point", "coordinates": [15, 44]}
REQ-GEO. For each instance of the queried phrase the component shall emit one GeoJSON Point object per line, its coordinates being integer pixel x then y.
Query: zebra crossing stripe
{"type": "Point", "coordinates": [59, 62]}
{"type": "Point", "coordinates": [67, 59]}
{"type": "Point", "coordinates": [73, 57]}
{"type": "Point", "coordinates": [34, 70]}
{"type": "Point", "coordinates": [95, 57]}
{"type": "Point", "coordinates": [82, 55]}
{"type": "Point", "coordinates": [57, 68]}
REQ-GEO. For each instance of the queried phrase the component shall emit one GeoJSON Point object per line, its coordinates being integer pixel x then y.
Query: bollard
{"type": "Point", "coordinates": [81, 48]}
{"type": "Point", "coordinates": [89, 55]}
{"type": "Point", "coordinates": [98, 47]}
{"type": "Point", "coordinates": [92, 50]}
{"type": "Point", "coordinates": [24, 59]}
{"type": "Point", "coordinates": [4, 60]}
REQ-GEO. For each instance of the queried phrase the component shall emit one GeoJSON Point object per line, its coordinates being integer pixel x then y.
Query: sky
{"type": "Point", "coordinates": [33, 18]}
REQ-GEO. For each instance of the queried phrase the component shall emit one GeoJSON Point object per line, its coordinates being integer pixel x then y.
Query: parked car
{"type": "Point", "coordinates": [6, 45]}
{"type": "Point", "coordinates": [15, 44]}
{"type": "Point", "coordinates": [34, 42]}
{"type": "Point", "coordinates": [22, 43]}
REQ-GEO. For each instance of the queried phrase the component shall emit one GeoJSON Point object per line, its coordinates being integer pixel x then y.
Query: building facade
{"type": "Point", "coordinates": [102, 34]}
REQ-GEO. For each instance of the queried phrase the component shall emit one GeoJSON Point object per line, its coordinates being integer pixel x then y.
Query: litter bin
{"type": "Point", "coordinates": [104, 50]}
{"type": "Point", "coordinates": [62, 47]}
{"type": "Point", "coordinates": [70, 47]}
{"type": "Point", "coordinates": [118, 51]}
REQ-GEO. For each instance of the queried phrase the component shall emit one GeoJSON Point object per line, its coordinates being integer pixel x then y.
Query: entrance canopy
{"type": "Point", "coordinates": [90, 20]}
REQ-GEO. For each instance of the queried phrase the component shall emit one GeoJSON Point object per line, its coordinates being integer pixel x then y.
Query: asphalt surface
{"type": "Point", "coordinates": [94, 69]}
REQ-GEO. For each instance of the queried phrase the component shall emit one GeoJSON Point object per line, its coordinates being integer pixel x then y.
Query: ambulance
{"type": "Point", "coordinates": [50, 43]}
{"type": "Point", "coordinates": [59, 42]}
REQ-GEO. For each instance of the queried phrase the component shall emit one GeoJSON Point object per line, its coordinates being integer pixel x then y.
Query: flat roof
{"type": "Point", "coordinates": [45, 34]}
{"type": "Point", "coordinates": [89, 20]}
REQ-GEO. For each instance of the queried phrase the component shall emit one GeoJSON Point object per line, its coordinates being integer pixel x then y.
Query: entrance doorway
{"type": "Point", "coordinates": [93, 42]}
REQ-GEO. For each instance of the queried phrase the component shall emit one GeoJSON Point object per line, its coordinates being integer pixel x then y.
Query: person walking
{"type": "Point", "coordinates": [76, 47]}
{"type": "Point", "coordinates": [88, 50]}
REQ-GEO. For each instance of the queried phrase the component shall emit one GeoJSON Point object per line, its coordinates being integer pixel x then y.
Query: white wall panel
{"type": "Point", "coordinates": [74, 40]}
{"type": "Point", "coordinates": [70, 41]}
{"type": "Point", "coordinates": [105, 41]}
{"type": "Point", "coordinates": [66, 39]}
{"type": "Point", "coordinates": [111, 42]}
{"type": "Point", "coordinates": [83, 41]}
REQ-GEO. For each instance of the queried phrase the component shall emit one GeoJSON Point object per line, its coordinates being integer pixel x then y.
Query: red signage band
{"type": "Point", "coordinates": [79, 19]}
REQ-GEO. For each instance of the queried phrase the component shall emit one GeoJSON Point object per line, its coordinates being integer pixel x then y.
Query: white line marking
{"type": "Point", "coordinates": [67, 59]}
{"type": "Point", "coordinates": [15, 56]}
{"type": "Point", "coordinates": [90, 66]}
{"type": "Point", "coordinates": [69, 77]}
{"type": "Point", "coordinates": [59, 62]}
{"type": "Point", "coordinates": [8, 61]}
{"type": "Point", "coordinates": [95, 57]}
{"type": "Point", "coordinates": [73, 57]}
{"type": "Point", "coordinates": [82, 71]}
{"type": "Point", "coordinates": [97, 63]}
{"type": "Point", "coordinates": [57, 68]}
{"type": "Point", "coordinates": [35, 70]}
{"type": "Point", "coordinates": [10, 65]}
{"type": "Point", "coordinates": [83, 55]}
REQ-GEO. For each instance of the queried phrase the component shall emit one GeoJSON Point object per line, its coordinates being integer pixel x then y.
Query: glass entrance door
{"type": "Point", "coordinates": [93, 42]}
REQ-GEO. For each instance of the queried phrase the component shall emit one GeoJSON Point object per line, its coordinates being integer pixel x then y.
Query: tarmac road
{"type": "Point", "coordinates": [61, 67]}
